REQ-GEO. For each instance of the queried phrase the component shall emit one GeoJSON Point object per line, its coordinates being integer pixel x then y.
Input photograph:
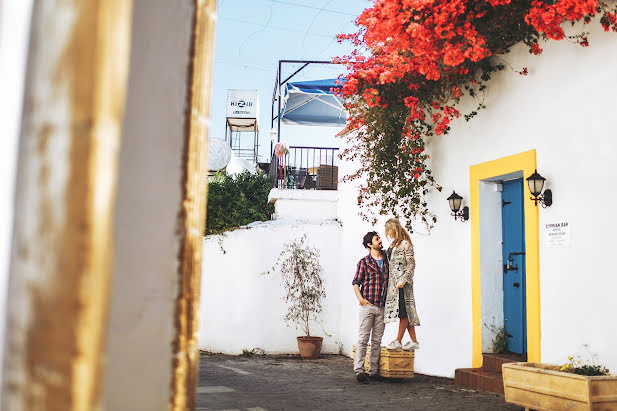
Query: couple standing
{"type": "Point", "coordinates": [384, 287]}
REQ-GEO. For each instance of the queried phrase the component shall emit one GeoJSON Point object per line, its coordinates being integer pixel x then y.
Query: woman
{"type": "Point", "coordinates": [400, 302]}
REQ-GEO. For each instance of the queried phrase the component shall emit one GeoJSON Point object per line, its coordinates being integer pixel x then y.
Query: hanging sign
{"type": "Point", "coordinates": [242, 104]}
{"type": "Point", "coordinates": [557, 234]}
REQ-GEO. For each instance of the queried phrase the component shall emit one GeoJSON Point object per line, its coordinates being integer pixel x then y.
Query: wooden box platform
{"type": "Point", "coordinates": [543, 387]}
{"type": "Point", "coordinates": [392, 363]}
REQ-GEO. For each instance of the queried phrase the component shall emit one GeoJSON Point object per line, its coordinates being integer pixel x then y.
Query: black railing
{"type": "Point", "coordinates": [309, 168]}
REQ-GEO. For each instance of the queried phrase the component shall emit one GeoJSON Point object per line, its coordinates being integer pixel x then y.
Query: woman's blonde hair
{"type": "Point", "coordinates": [395, 230]}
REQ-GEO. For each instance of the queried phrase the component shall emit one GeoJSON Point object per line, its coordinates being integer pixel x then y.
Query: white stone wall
{"type": "Point", "coordinates": [14, 30]}
{"type": "Point", "coordinates": [305, 205]}
{"type": "Point", "coordinates": [243, 309]}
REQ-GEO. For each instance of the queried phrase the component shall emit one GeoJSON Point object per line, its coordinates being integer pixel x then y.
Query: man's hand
{"type": "Point", "coordinates": [364, 302]}
{"type": "Point", "coordinates": [401, 284]}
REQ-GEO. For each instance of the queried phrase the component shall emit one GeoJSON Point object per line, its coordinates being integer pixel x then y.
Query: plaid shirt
{"type": "Point", "coordinates": [373, 283]}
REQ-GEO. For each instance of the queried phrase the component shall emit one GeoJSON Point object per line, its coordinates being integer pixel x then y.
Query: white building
{"type": "Point", "coordinates": [560, 120]}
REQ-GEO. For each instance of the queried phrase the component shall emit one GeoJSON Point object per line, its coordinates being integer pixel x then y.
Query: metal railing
{"type": "Point", "coordinates": [309, 168]}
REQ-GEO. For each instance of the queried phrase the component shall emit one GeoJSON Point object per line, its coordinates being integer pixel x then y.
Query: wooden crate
{"type": "Point", "coordinates": [392, 363]}
{"type": "Point", "coordinates": [543, 387]}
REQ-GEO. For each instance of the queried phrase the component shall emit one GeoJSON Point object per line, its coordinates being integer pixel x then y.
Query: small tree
{"type": "Point", "coordinates": [301, 277]}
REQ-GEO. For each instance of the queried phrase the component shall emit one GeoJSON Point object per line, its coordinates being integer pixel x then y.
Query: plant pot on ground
{"type": "Point", "coordinates": [303, 285]}
{"type": "Point", "coordinates": [310, 347]}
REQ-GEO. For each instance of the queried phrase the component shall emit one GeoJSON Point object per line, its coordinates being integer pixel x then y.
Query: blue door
{"type": "Point", "coordinates": [513, 229]}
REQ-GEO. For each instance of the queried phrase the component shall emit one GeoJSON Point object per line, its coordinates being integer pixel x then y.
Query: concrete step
{"type": "Point", "coordinates": [478, 379]}
{"type": "Point", "coordinates": [493, 362]}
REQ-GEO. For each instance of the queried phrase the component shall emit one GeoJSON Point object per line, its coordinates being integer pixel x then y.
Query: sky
{"type": "Point", "coordinates": [253, 35]}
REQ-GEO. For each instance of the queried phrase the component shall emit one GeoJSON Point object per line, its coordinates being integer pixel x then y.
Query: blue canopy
{"type": "Point", "coordinates": [312, 103]}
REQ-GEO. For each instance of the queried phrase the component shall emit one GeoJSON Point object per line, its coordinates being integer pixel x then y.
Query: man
{"type": "Point", "coordinates": [370, 285]}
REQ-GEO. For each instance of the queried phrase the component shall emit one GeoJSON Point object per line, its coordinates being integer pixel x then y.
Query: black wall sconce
{"type": "Point", "coordinates": [536, 183]}
{"type": "Point", "coordinates": [455, 202]}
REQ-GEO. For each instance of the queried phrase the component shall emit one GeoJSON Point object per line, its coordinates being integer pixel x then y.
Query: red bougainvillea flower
{"type": "Point", "coordinates": [415, 60]}
{"type": "Point", "coordinates": [535, 49]}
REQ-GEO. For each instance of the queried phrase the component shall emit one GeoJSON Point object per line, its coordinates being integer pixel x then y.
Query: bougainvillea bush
{"type": "Point", "coordinates": [414, 60]}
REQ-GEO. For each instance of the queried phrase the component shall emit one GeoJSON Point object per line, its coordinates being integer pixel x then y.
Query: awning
{"type": "Point", "coordinates": [312, 103]}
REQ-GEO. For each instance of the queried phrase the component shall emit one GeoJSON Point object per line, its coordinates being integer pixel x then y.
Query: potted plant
{"type": "Point", "coordinates": [578, 384]}
{"type": "Point", "coordinates": [303, 284]}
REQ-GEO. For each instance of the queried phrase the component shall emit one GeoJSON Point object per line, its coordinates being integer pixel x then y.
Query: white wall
{"type": "Point", "coordinates": [563, 109]}
{"type": "Point", "coordinates": [242, 309]}
{"type": "Point", "coordinates": [442, 286]}
{"type": "Point", "coordinates": [306, 205]}
{"type": "Point", "coordinates": [14, 34]}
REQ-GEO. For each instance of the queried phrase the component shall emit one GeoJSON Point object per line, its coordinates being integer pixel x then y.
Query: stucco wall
{"type": "Point", "coordinates": [564, 110]}
{"type": "Point", "coordinates": [14, 25]}
{"type": "Point", "coordinates": [243, 309]}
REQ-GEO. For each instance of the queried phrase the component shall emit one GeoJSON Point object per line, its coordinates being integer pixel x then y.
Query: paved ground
{"type": "Point", "coordinates": [288, 383]}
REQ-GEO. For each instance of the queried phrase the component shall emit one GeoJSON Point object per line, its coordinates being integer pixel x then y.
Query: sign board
{"type": "Point", "coordinates": [242, 104]}
{"type": "Point", "coordinates": [557, 234]}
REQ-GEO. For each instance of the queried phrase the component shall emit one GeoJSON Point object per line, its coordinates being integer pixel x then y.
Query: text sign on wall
{"type": "Point", "coordinates": [242, 104]}
{"type": "Point", "coordinates": [557, 234]}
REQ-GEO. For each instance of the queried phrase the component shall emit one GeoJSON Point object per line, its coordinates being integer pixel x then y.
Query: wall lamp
{"type": "Point", "coordinates": [455, 202]}
{"type": "Point", "coordinates": [536, 183]}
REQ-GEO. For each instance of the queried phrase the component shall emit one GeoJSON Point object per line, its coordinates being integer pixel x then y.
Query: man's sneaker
{"type": "Point", "coordinates": [410, 345]}
{"type": "Point", "coordinates": [375, 377]}
{"type": "Point", "coordinates": [394, 345]}
{"type": "Point", "coordinates": [362, 378]}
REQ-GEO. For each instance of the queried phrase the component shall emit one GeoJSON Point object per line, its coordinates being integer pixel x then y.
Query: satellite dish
{"type": "Point", "coordinates": [239, 165]}
{"type": "Point", "coordinates": [219, 153]}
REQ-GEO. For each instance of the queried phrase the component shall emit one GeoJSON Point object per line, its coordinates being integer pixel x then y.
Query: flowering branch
{"type": "Point", "coordinates": [414, 61]}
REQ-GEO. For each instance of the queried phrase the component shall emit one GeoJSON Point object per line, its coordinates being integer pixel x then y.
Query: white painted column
{"type": "Point", "coordinates": [14, 30]}
{"type": "Point", "coordinates": [153, 204]}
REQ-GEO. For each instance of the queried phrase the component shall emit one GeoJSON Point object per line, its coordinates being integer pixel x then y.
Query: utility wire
{"type": "Point", "coordinates": [313, 8]}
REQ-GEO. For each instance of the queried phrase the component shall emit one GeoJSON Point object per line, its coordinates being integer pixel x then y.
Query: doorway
{"type": "Point", "coordinates": [488, 256]}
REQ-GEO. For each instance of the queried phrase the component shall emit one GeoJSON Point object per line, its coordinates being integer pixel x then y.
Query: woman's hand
{"type": "Point", "coordinates": [401, 284]}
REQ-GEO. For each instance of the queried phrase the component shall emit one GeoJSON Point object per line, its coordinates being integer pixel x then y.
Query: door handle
{"type": "Point", "coordinates": [509, 267]}
{"type": "Point", "coordinates": [516, 285]}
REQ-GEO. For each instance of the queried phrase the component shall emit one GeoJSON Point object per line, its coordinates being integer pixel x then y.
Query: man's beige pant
{"type": "Point", "coordinates": [371, 319]}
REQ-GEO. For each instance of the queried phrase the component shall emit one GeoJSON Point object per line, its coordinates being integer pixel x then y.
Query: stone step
{"type": "Point", "coordinates": [477, 379]}
{"type": "Point", "coordinates": [493, 362]}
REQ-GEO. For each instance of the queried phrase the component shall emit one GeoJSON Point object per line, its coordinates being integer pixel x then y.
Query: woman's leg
{"type": "Point", "coordinates": [402, 326]}
{"type": "Point", "coordinates": [412, 332]}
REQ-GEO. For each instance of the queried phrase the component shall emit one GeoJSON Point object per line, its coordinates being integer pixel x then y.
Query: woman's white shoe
{"type": "Point", "coordinates": [394, 345]}
{"type": "Point", "coordinates": [410, 345]}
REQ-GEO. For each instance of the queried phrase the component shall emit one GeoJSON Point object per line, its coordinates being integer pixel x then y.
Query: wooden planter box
{"type": "Point", "coordinates": [543, 387]}
{"type": "Point", "coordinates": [392, 363]}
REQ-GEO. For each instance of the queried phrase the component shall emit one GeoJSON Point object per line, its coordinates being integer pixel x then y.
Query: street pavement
{"type": "Point", "coordinates": [286, 382]}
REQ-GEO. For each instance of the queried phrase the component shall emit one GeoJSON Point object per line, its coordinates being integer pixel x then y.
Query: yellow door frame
{"type": "Point", "coordinates": [525, 162]}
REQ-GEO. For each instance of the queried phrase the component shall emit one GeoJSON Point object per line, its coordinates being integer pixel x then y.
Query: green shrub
{"type": "Point", "coordinates": [237, 201]}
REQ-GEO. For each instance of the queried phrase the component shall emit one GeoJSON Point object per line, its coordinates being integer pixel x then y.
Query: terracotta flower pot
{"type": "Point", "coordinates": [309, 347]}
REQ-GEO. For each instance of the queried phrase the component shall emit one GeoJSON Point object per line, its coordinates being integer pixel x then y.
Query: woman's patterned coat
{"type": "Point", "coordinates": [402, 266]}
